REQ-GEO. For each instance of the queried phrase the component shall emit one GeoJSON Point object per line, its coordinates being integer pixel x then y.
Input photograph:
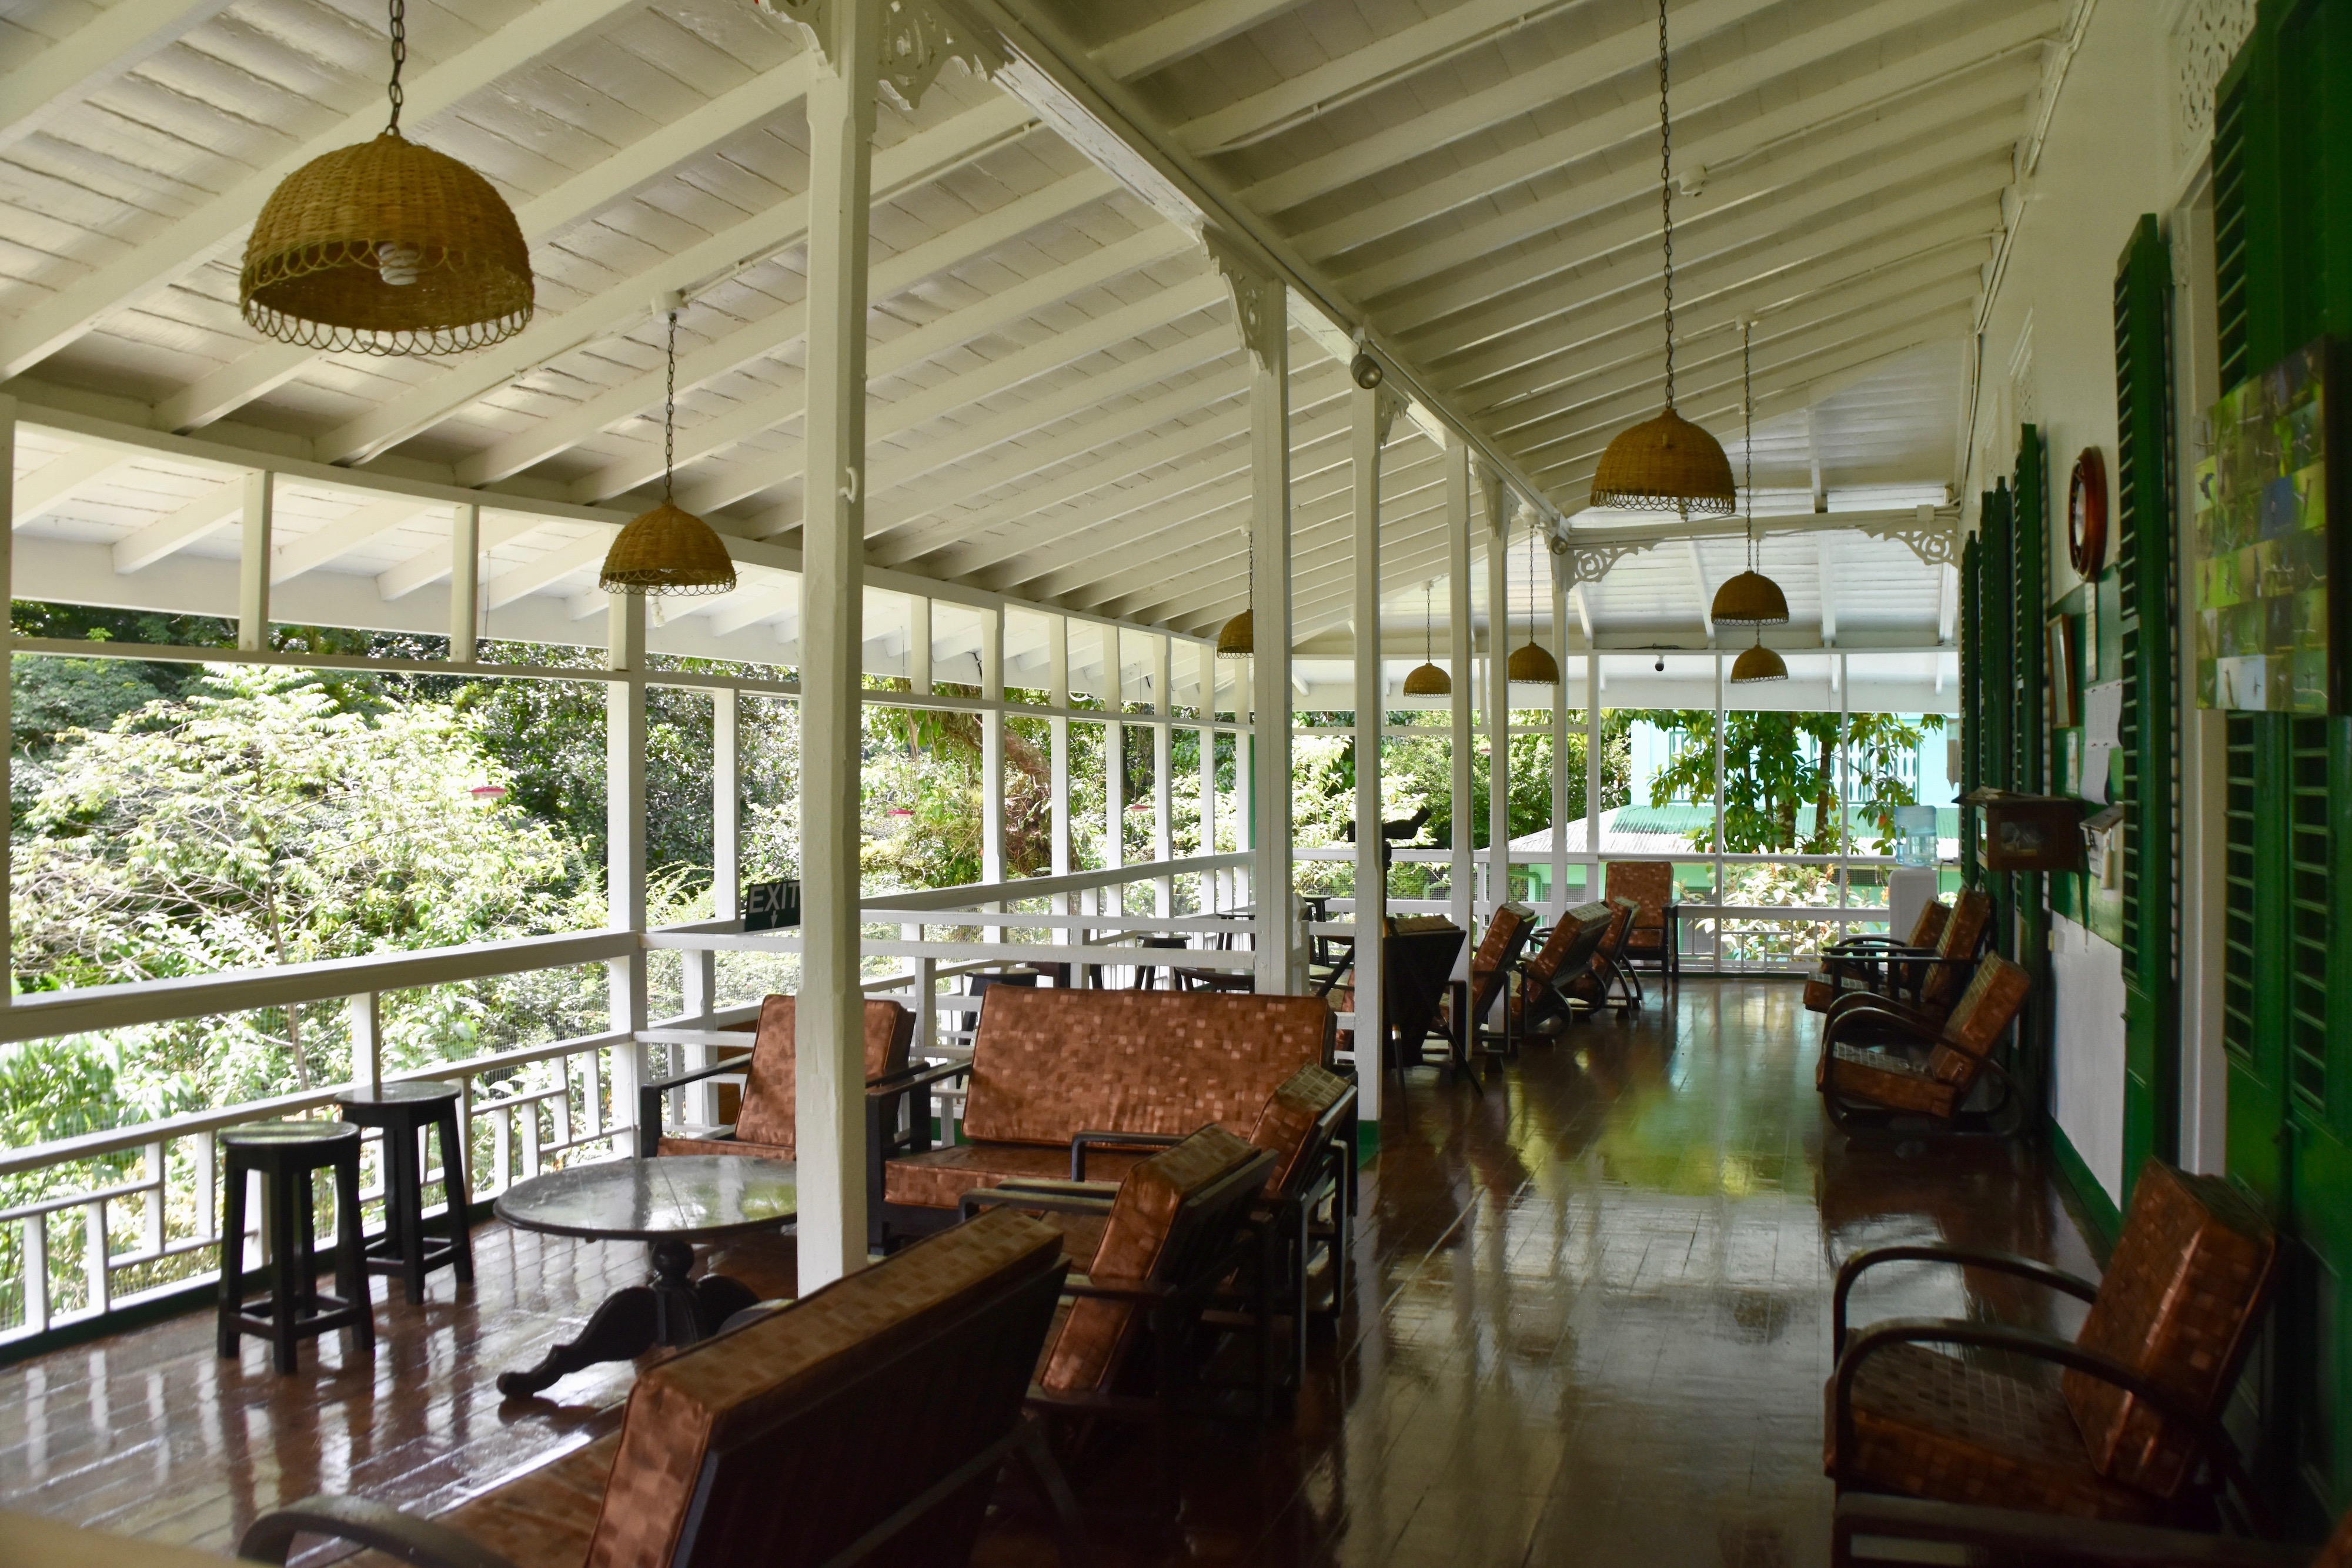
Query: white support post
{"type": "Point", "coordinates": [624, 845]}
{"type": "Point", "coordinates": [1114, 699]}
{"type": "Point", "coordinates": [465, 582]}
{"type": "Point", "coordinates": [1460, 868]}
{"type": "Point", "coordinates": [1207, 653]}
{"type": "Point", "coordinates": [991, 745]}
{"type": "Point", "coordinates": [367, 1041]}
{"type": "Point", "coordinates": [1560, 752]}
{"type": "Point", "coordinates": [919, 643]}
{"type": "Point", "coordinates": [1594, 773]}
{"type": "Point", "coordinates": [1057, 735]}
{"type": "Point", "coordinates": [1722, 892]}
{"type": "Point", "coordinates": [1163, 751]}
{"type": "Point", "coordinates": [1372, 411]}
{"type": "Point", "coordinates": [254, 561]}
{"type": "Point", "coordinates": [1497, 695]}
{"type": "Point", "coordinates": [7, 727]}
{"type": "Point", "coordinates": [829, 1120]}
{"type": "Point", "coordinates": [1260, 312]}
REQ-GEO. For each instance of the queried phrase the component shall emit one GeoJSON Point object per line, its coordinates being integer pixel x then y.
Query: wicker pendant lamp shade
{"type": "Point", "coordinates": [1751, 599]}
{"type": "Point", "coordinates": [1531, 665]}
{"type": "Point", "coordinates": [1426, 679]}
{"type": "Point", "coordinates": [387, 247]}
{"type": "Point", "coordinates": [1666, 463]}
{"type": "Point", "coordinates": [668, 550]}
{"type": "Point", "coordinates": [1238, 640]}
{"type": "Point", "coordinates": [1758, 664]}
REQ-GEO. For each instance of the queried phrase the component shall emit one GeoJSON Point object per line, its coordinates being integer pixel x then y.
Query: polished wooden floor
{"type": "Point", "coordinates": [1593, 1328]}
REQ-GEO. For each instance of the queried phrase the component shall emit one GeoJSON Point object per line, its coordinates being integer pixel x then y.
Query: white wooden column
{"type": "Point", "coordinates": [991, 745]}
{"type": "Point", "coordinates": [1163, 755]}
{"type": "Point", "coordinates": [254, 561]}
{"type": "Point", "coordinates": [366, 1014]}
{"type": "Point", "coordinates": [830, 1122]}
{"type": "Point", "coordinates": [624, 841]}
{"type": "Point", "coordinates": [1559, 747]}
{"type": "Point", "coordinates": [1260, 312]}
{"type": "Point", "coordinates": [919, 643]}
{"type": "Point", "coordinates": [1460, 868]}
{"type": "Point", "coordinates": [1211, 883]}
{"type": "Point", "coordinates": [1058, 761]}
{"type": "Point", "coordinates": [7, 681]}
{"type": "Point", "coordinates": [1372, 412]}
{"type": "Point", "coordinates": [1114, 698]}
{"type": "Point", "coordinates": [726, 847]}
{"type": "Point", "coordinates": [1593, 772]}
{"type": "Point", "coordinates": [1500, 503]}
{"type": "Point", "coordinates": [465, 582]}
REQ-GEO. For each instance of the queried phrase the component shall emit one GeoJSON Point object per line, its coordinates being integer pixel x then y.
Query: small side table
{"type": "Point", "coordinates": [405, 1112]}
{"type": "Point", "coordinates": [284, 1155]}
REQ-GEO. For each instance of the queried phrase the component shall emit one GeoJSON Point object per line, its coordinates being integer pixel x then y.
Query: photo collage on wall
{"type": "Point", "coordinates": [2260, 514]}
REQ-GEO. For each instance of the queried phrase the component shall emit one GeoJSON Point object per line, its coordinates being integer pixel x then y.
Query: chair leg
{"type": "Point", "coordinates": [282, 1211]}
{"type": "Point", "coordinates": [1069, 1529]}
{"type": "Point", "coordinates": [458, 1186]}
{"type": "Point", "coordinates": [404, 1206]}
{"type": "Point", "coordinates": [232, 1257]}
{"type": "Point", "coordinates": [350, 1255]}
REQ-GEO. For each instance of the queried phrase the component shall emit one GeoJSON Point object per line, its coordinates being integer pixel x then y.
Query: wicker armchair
{"type": "Point", "coordinates": [1651, 884]}
{"type": "Point", "coordinates": [1507, 930]}
{"type": "Point", "coordinates": [1928, 982]}
{"type": "Point", "coordinates": [1554, 981]}
{"type": "Point", "coordinates": [2013, 1536]}
{"type": "Point", "coordinates": [1864, 963]}
{"type": "Point", "coordinates": [1880, 1060]}
{"type": "Point", "coordinates": [2130, 1432]}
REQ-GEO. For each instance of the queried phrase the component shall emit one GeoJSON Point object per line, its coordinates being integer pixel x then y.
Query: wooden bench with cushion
{"type": "Point", "coordinates": [764, 1121]}
{"type": "Point", "coordinates": [874, 1413]}
{"type": "Point", "coordinates": [1049, 1065]}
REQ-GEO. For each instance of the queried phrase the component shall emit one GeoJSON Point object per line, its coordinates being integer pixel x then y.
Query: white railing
{"type": "Point", "coordinates": [135, 1216]}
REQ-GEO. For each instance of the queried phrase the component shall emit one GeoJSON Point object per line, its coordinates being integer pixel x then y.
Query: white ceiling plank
{"type": "Point", "coordinates": [912, 162]}
{"type": "Point", "coordinates": [1825, 554]}
{"type": "Point", "coordinates": [57, 480]}
{"type": "Point", "coordinates": [1705, 598]}
{"type": "Point", "coordinates": [432, 563]}
{"type": "Point", "coordinates": [193, 239]}
{"type": "Point", "coordinates": [330, 541]}
{"type": "Point", "coordinates": [161, 539]}
{"type": "Point", "coordinates": [111, 43]}
{"type": "Point", "coordinates": [1201, 26]}
{"type": "Point", "coordinates": [603, 183]}
{"type": "Point", "coordinates": [530, 577]}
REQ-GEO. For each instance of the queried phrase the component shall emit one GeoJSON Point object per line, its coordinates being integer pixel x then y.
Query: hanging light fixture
{"type": "Point", "coordinates": [1239, 639]}
{"type": "Point", "coordinates": [387, 247]}
{"type": "Point", "coordinates": [668, 550]}
{"type": "Point", "coordinates": [1751, 599]}
{"type": "Point", "coordinates": [1666, 463]}
{"type": "Point", "coordinates": [1532, 665]}
{"type": "Point", "coordinates": [1426, 680]}
{"type": "Point", "coordinates": [1758, 664]}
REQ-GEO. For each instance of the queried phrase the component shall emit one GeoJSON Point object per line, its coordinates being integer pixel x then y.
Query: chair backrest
{"type": "Point", "coordinates": [1972, 1030]}
{"type": "Point", "coordinates": [865, 1394]}
{"type": "Point", "coordinates": [1048, 1063]}
{"type": "Point", "coordinates": [1507, 934]}
{"type": "Point", "coordinates": [1650, 884]}
{"type": "Point", "coordinates": [1964, 932]}
{"type": "Point", "coordinates": [767, 1110]}
{"type": "Point", "coordinates": [1573, 938]}
{"type": "Point", "coordinates": [1175, 1215]}
{"type": "Point", "coordinates": [1929, 929]}
{"type": "Point", "coordinates": [2180, 1305]}
{"type": "Point", "coordinates": [1297, 1126]}
{"type": "Point", "coordinates": [1417, 959]}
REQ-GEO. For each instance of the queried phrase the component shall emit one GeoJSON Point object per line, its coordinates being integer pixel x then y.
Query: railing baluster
{"type": "Point", "coordinates": [159, 1173]}
{"type": "Point", "coordinates": [37, 1272]}
{"type": "Point", "coordinates": [93, 1264]}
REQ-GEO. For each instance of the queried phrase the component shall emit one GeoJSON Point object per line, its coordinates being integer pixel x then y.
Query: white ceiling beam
{"type": "Point", "coordinates": [1382, 63]}
{"type": "Point", "coordinates": [911, 163]}
{"type": "Point", "coordinates": [330, 541]}
{"type": "Point", "coordinates": [1634, 46]}
{"type": "Point", "coordinates": [167, 535]}
{"type": "Point", "coordinates": [1825, 554]}
{"type": "Point", "coordinates": [543, 438]}
{"type": "Point", "coordinates": [1813, 459]}
{"type": "Point", "coordinates": [608, 180]}
{"type": "Point", "coordinates": [1201, 26]}
{"type": "Point", "coordinates": [1706, 590]}
{"type": "Point", "coordinates": [919, 406]}
{"type": "Point", "coordinates": [184, 243]}
{"type": "Point", "coordinates": [557, 564]}
{"type": "Point", "coordinates": [432, 563]}
{"type": "Point", "coordinates": [108, 45]}
{"type": "Point", "coordinates": [56, 481]}
{"type": "Point", "coordinates": [1617, 204]}
{"type": "Point", "coordinates": [889, 469]}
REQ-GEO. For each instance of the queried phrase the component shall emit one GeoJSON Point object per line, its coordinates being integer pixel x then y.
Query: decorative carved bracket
{"type": "Point", "coordinates": [1387, 404]}
{"type": "Point", "coordinates": [1502, 501]}
{"type": "Point", "coordinates": [1576, 563]}
{"type": "Point", "coordinates": [1257, 298]}
{"type": "Point", "coordinates": [1936, 544]}
{"type": "Point", "coordinates": [917, 39]}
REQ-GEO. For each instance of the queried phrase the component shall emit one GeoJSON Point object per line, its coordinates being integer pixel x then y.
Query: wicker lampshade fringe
{"type": "Point", "coordinates": [670, 551]}
{"type": "Point", "coordinates": [1426, 679]}
{"type": "Point", "coordinates": [1758, 664]}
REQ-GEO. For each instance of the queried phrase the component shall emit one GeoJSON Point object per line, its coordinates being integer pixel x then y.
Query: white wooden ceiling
{"type": "Point", "coordinates": [1058, 408]}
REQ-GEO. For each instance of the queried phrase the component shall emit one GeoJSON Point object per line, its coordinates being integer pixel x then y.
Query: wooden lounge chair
{"type": "Point", "coordinates": [1928, 982]}
{"type": "Point", "coordinates": [1549, 980]}
{"type": "Point", "coordinates": [1470, 1002]}
{"type": "Point", "coordinates": [1882, 1059]}
{"type": "Point", "coordinates": [2130, 1432]}
{"type": "Point", "coordinates": [2013, 1535]}
{"type": "Point", "coordinates": [870, 1419]}
{"type": "Point", "coordinates": [1419, 957]}
{"type": "Point", "coordinates": [1651, 938]}
{"type": "Point", "coordinates": [1862, 963]}
{"type": "Point", "coordinates": [1173, 1232]}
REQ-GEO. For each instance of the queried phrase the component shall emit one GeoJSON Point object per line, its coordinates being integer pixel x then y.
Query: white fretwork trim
{"type": "Point", "coordinates": [2206, 36]}
{"type": "Point", "coordinates": [1259, 315]}
{"type": "Point", "coordinates": [917, 40]}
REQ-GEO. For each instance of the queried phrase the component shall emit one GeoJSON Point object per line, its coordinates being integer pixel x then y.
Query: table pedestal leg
{"type": "Point", "coordinates": [668, 1310]}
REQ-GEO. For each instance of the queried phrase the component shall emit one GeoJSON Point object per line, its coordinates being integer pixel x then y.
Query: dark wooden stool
{"type": "Point", "coordinates": [404, 1112]}
{"type": "Point", "coordinates": [285, 1155]}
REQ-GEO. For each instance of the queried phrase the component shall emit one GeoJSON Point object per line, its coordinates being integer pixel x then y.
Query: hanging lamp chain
{"type": "Point", "coordinates": [669, 410]}
{"type": "Point", "coordinates": [399, 58]}
{"type": "Point", "coordinates": [1666, 197]}
{"type": "Point", "coordinates": [1747, 442]}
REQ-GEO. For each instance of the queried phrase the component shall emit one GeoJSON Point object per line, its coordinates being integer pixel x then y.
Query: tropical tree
{"type": "Point", "coordinates": [1776, 764]}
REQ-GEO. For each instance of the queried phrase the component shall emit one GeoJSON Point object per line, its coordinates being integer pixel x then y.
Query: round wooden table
{"type": "Point", "coordinates": [672, 1202]}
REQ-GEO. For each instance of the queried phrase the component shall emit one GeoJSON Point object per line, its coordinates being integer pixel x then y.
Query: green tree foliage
{"type": "Point", "coordinates": [1776, 764]}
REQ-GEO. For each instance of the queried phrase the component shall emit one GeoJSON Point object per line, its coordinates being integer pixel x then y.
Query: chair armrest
{"type": "Point", "coordinates": [2212, 1443]}
{"type": "Point", "coordinates": [1147, 1293]}
{"type": "Point", "coordinates": [1052, 1202]}
{"type": "Point", "coordinates": [1854, 1268]}
{"type": "Point", "coordinates": [2006, 1534]}
{"type": "Point", "coordinates": [910, 1078]}
{"type": "Point", "coordinates": [649, 1096]}
{"type": "Point", "coordinates": [1107, 1140]}
{"type": "Point", "coordinates": [376, 1525]}
{"type": "Point", "coordinates": [1885, 1009]}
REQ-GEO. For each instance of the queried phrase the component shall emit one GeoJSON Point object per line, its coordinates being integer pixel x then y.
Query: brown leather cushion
{"type": "Point", "coordinates": [1933, 1425]}
{"type": "Point", "coordinates": [1288, 1119]}
{"type": "Point", "coordinates": [544, 1518]}
{"type": "Point", "coordinates": [767, 1117]}
{"type": "Point", "coordinates": [1048, 1063]}
{"type": "Point", "coordinates": [1650, 884]}
{"type": "Point", "coordinates": [1995, 993]}
{"type": "Point", "coordinates": [2179, 1301]}
{"type": "Point", "coordinates": [1087, 1352]}
{"type": "Point", "coordinates": [725, 1388]}
{"type": "Point", "coordinates": [1964, 932]}
{"type": "Point", "coordinates": [1896, 1080]}
{"type": "Point", "coordinates": [670, 1145]}
{"type": "Point", "coordinates": [940, 1177]}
